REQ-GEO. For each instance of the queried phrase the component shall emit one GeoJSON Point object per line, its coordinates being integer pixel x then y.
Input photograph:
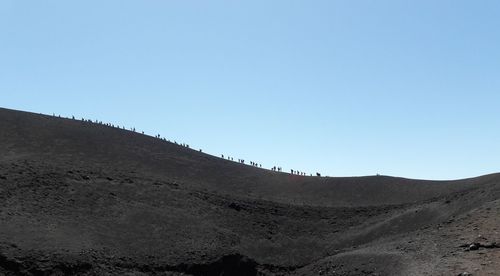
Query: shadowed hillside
{"type": "Point", "coordinates": [84, 198]}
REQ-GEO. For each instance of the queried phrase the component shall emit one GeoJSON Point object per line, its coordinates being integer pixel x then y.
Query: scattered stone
{"type": "Point", "coordinates": [474, 246]}
{"type": "Point", "coordinates": [491, 245]}
{"type": "Point", "coordinates": [465, 274]}
{"type": "Point", "coordinates": [85, 177]}
{"type": "Point", "coordinates": [235, 206]}
{"type": "Point", "coordinates": [477, 245]}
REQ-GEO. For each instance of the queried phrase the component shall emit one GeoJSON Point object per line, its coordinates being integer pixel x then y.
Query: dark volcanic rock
{"type": "Point", "coordinates": [235, 206]}
{"type": "Point", "coordinates": [106, 201]}
{"type": "Point", "coordinates": [474, 246]}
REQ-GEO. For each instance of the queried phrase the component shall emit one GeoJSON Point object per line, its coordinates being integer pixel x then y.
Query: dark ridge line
{"type": "Point", "coordinates": [30, 268]}
{"type": "Point", "coordinates": [233, 264]}
{"type": "Point", "coordinates": [163, 139]}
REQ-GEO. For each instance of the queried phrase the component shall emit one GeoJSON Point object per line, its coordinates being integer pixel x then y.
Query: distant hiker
{"type": "Point", "coordinates": [291, 171]}
{"type": "Point", "coordinates": [222, 156]}
{"type": "Point", "coordinates": [201, 150]}
{"type": "Point", "coordinates": [72, 117]}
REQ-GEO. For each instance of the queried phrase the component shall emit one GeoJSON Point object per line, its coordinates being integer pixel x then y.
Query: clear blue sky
{"type": "Point", "coordinates": [405, 88]}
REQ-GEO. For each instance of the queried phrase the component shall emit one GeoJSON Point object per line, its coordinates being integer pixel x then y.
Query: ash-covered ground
{"type": "Point", "coordinates": [79, 198]}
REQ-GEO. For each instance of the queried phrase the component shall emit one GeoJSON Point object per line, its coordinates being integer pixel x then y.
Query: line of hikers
{"type": "Point", "coordinates": [158, 136]}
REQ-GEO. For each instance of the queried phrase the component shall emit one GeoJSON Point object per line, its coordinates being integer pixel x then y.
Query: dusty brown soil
{"type": "Point", "coordinates": [78, 198]}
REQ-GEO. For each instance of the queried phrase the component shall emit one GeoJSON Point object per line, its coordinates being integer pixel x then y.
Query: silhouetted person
{"type": "Point", "coordinates": [222, 156]}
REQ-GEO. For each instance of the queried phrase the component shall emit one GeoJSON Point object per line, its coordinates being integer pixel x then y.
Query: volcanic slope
{"type": "Point", "coordinates": [80, 198]}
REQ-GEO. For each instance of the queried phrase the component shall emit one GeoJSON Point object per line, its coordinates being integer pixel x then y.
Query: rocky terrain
{"type": "Point", "coordinates": [80, 198]}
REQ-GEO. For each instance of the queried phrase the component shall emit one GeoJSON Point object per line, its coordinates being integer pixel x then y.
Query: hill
{"type": "Point", "coordinates": [85, 198]}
